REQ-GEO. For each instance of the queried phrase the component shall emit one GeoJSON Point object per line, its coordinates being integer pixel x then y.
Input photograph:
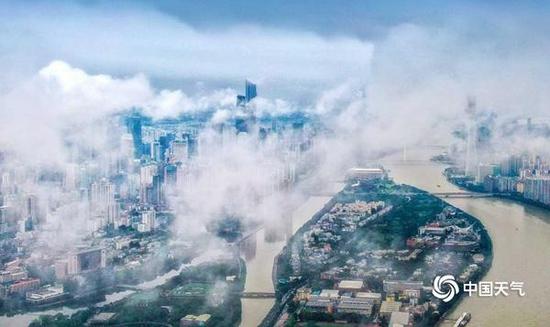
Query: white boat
{"type": "Point", "coordinates": [463, 320]}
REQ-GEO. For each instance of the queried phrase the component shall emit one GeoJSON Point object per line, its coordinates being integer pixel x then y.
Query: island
{"type": "Point", "coordinates": [370, 256]}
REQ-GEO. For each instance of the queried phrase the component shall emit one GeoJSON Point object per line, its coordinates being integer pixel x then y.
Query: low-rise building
{"type": "Point", "coordinates": [7, 276]}
{"type": "Point", "coordinates": [61, 269]}
{"type": "Point", "coordinates": [388, 307]}
{"type": "Point", "coordinates": [460, 246]}
{"type": "Point", "coordinates": [374, 297]}
{"type": "Point", "coordinates": [350, 285]}
{"type": "Point", "coordinates": [432, 230]}
{"type": "Point", "coordinates": [400, 319]}
{"type": "Point", "coordinates": [192, 320]}
{"type": "Point", "coordinates": [24, 285]}
{"type": "Point", "coordinates": [366, 173]}
{"type": "Point", "coordinates": [395, 286]}
{"type": "Point", "coordinates": [101, 318]}
{"type": "Point", "coordinates": [318, 303]}
{"type": "Point", "coordinates": [360, 306]}
{"type": "Point", "coordinates": [329, 294]}
{"type": "Point", "coordinates": [411, 294]}
{"type": "Point", "coordinates": [47, 294]}
{"type": "Point", "coordinates": [302, 294]}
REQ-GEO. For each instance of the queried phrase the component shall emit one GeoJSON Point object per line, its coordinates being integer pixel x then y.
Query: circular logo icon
{"type": "Point", "coordinates": [448, 283]}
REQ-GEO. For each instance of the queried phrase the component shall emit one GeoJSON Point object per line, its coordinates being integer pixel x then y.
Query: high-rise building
{"type": "Point", "coordinates": [71, 181]}
{"type": "Point", "coordinates": [511, 166]}
{"type": "Point", "coordinates": [250, 91]}
{"type": "Point", "coordinates": [506, 184]}
{"type": "Point", "coordinates": [170, 174]}
{"type": "Point", "coordinates": [471, 160]}
{"type": "Point", "coordinates": [153, 193]}
{"type": "Point", "coordinates": [3, 219]}
{"type": "Point", "coordinates": [484, 170]}
{"type": "Point", "coordinates": [180, 151]}
{"type": "Point", "coordinates": [155, 151]}
{"type": "Point", "coordinates": [148, 219]}
{"type": "Point", "coordinates": [537, 189]}
{"type": "Point", "coordinates": [31, 207]}
{"type": "Point", "coordinates": [6, 185]}
{"type": "Point", "coordinates": [102, 194]}
{"type": "Point", "coordinates": [134, 128]}
{"type": "Point", "coordinates": [127, 147]}
{"type": "Point", "coordinates": [146, 174]}
{"type": "Point", "coordinates": [150, 184]}
{"type": "Point", "coordinates": [164, 142]}
{"type": "Point", "coordinates": [102, 202]}
{"type": "Point", "coordinates": [85, 260]}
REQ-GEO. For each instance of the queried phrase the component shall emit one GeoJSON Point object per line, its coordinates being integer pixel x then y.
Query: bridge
{"type": "Point", "coordinates": [462, 194]}
{"type": "Point", "coordinates": [459, 194]}
{"type": "Point", "coordinates": [249, 234]}
{"type": "Point", "coordinates": [258, 295]}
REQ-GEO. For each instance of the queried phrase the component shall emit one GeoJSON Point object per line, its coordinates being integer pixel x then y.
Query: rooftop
{"type": "Point", "coordinates": [368, 295]}
{"type": "Point", "coordinates": [399, 319]}
{"type": "Point", "coordinates": [102, 317]}
{"type": "Point", "coordinates": [200, 318]}
{"type": "Point", "coordinates": [390, 306]}
{"type": "Point", "coordinates": [351, 284]}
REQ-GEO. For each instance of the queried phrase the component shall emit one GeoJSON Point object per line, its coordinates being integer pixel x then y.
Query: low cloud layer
{"type": "Point", "coordinates": [409, 86]}
{"type": "Point", "coordinates": [166, 48]}
{"type": "Point", "coordinates": [45, 109]}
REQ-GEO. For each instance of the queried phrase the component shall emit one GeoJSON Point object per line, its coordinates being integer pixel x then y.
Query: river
{"type": "Point", "coordinates": [521, 244]}
{"type": "Point", "coordinates": [259, 267]}
{"type": "Point", "coordinates": [21, 320]}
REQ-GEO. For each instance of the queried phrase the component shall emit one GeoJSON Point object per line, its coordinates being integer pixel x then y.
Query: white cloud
{"type": "Point", "coordinates": [60, 99]}
{"type": "Point", "coordinates": [80, 94]}
{"type": "Point", "coordinates": [166, 48]}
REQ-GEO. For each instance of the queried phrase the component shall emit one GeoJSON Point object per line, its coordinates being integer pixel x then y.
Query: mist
{"type": "Point", "coordinates": [61, 103]}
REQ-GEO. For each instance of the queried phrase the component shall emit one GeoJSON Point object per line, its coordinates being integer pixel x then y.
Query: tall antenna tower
{"type": "Point", "coordinates": [471, 142]}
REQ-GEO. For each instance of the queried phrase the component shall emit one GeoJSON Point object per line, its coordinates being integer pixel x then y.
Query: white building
{"type": "Point", "coordinates": [148, 220]}
{"type": "Point", "coordinates": [366, 173]}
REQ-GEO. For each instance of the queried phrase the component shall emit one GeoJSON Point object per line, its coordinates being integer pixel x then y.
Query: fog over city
{"type": "Point", "coordinates": [407, 86]}
{"type": "Point", "coordinates": [88, 98]}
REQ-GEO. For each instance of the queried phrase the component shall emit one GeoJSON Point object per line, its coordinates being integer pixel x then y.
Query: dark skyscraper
{"type": "Point", "coordinates": [170, 174]}
{"type": "Point", "coordinates": [241, 100]}
{"type": "Point", "coordinates": [134, 128]}
{"type": "Point", "coordinates": [249, 94]}
{"type": "Point", "coordinates": [165, 141]}
{"type": "Point", "coordinates": [250, 91]}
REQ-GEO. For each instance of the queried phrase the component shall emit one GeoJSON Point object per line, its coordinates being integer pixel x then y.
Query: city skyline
{"type": "Point", "coordinates": [268, 164]}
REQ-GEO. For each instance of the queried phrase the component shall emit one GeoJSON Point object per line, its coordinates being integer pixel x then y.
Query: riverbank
{"type": "Point", "coordinates": [349, 257]}
{"type": "Point", "coordinates": [520, 235]}
{"type": "Point", "coordinates": [286, 293]}
{"type": "Point", "coordinates": [82, 312]}
{"type": "Point", "coordinates": [479, 189]}
{"type": "Point", "coordinates": [213, 288]}
{"type": "Point", "coordinates": [259, 276]}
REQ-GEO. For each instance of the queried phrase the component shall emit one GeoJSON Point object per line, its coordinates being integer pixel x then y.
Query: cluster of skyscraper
{"type": "Point", "coordinates": [521, 175]}
{"type": "Point", "coordinates": [116, 194]}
